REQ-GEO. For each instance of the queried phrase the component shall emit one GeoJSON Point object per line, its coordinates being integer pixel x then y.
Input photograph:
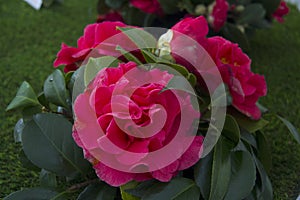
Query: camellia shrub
{"type": "Point", "coordinates": [147, 113]}
{"type": "Point", "coordinates": [234, 20]}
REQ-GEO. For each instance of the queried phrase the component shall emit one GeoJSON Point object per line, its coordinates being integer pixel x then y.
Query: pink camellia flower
{"type": "Point", "coordinates": [104, 130]}
{"type": "Point", "coordinates": [148, 6]}
{"type": "Point", "coordinates": [112, 16]}
{"type": "Point", "coordinates": [245, 87]}
{"type": "Point", "coordinates": [218, 16]}
{"type": "Point", "coordinates": [281, 11]}
{"type": "Point", "coordinates": [196, 28]}
{"type": "Point", "coordinates": [93, 35]}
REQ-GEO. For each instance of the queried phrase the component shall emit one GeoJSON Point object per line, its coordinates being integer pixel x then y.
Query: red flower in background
{"type": "Point", "coordinates": [148, 6]}
{"type": "Point", "coordinates": [281, 11]}
{"type": "Point", "coordinates": [218, 16]}
{"type": "Point", "coordinates": [245, 87]}
{"type": "Point", "coordinates": [93, 35]}
{"type": "Point", "coordinates": [111, 16]}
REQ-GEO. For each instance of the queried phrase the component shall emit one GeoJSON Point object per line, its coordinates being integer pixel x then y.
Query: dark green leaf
{"type": "Point", "coordinates": [141, 188]}
{"type": "Point", "coordinates": [47, 179]}
{"type": "Point", "coordinates": [26, 163]}
{"type": "Point", "coordinates": [55, 89]}
{"type": "Point", "coordinates": [252, 13]}
{"type": "Point", "coordinates": [265, 191]}
{"type": "Point", "coordinates": [291, 128]}
{"type": "Point", "coordinates": [243, 175]}
{"type": "Point", "coordinates": [43, 101]}
{"type": "Point", "coordinates": [140, 37]}
{"type": "Point", "coordinates": [115, 4]}
{"type": "Point", "coordinates": [98, 191]}
{"type": "Point", "coordinates": [25, 97]}
{"type": "Point", "coordinates": [231, 129]}
{"type": "Point", "coordinates": [233, 33]}
{"type": "Point", "coordinates": [248, 124]}
{"type": "Point", "coordinates": [221, 169]}
{"type": "Point", "coordinates": [203, 172]}
{"type": "Point", "coordinates": [180, 83]}
{"type": "Point", "coordinates": [173, 190]}
{"type": "Point", "coordinates": [249, 138]}
{"type": "Point", "coordinates": [48, 143]}
{"type": "Point", "coordinates": [32, 194]}
{"type": "Point", "coordinates": [270, 6]}
{"type": "Point", "coordinates": [264, 151]}
{"type": "Point", "coordinates": [169, 6]}
{"type": "Point", "coordinates": [28, 112]}
{"type": "Point", "coordinates": [129, 56]}
{"type": "Point", "coordinates": [94, 65]}
{"type": "Point", "coordinates": [128, 186]}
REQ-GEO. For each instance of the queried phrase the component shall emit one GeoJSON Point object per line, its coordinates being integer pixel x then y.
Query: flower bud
{"type": "Point", "coordinates": [200, 9]}
{"type": "Point", "coordinates": [240, 8]}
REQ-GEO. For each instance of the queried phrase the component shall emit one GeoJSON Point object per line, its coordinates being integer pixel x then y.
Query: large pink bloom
{"type": "Point", "coordinates": [94, 34]}
{"type": "Point", "coordinates": [96, 111]}
{"type": "Point", "coordinates": [281, 11]}
{"type": "Point", "coordinates": [219, 14]}
{"type": "Point", "coordinates": [148, 6]}
{"type": "Point", "coordinates": [245, 87]}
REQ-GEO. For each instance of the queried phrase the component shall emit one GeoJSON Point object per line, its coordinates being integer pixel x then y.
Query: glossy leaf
{"type": "Point", "coordinates": [141, 38]}
{"type": "Point", "coordinates": [231, 129]}
{"type": "Point", "coordinates": [128, 186]}
{"type": "Point", "coordinates": [115, 4]}
{"type": "Point", "coordinates": [264, 151]}
{"type": "Point", "coordinates": [221, 169]}
{"type": "Point", "coordinates": [32, 194]}
{"type": "Point", "coordinates": [25, 97]}
{"type": "Point", "coordinates": [252, 13]}
{"type": "Point", "coordinates": [265, 190]}
{"type": "Point", "coordinates": [202, 173]}
{"type": "Point", "coordinates": [55, 89]}
{"type": "Point", "coordinates": [173, 190]}
{"type": "Point", "coordinates": [128, 55]}
{"type": "Point", "coordinates": [47, 179]}
{"type": "Point", "coordinates": [291, 128]}
{"type": "Point", "coordinates": [248, 124]}
{"type": "Point", "coordinates": [231, 32]}
{"type": "Point", "coordinates": [98, 191]}
{"type": "Point", "coordinates": [270, 6]}
{"type": "Point", "coordinates": [243, 175]}
{"type": "Point", "coordinates": [26, 163]}
{"type": "Point", "coordinates": [57, 151]}
{"type": "Point", "coordinates": [94, 65]}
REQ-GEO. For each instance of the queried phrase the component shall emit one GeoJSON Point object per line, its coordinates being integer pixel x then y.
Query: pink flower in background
{"type": "Point", "coordinates": [111, 16]}
{"type": "Point", "coordinates": [94, 111]}
{"type": "Point", "coordinates": [281, 11]}
{"type": "Point", "coordinates": [195, 28]}
{"type": "Point", "coordinates": [148, 6]}
{"type": "Point", "coordinates": [93, 35]}
{"type": "Point", "coordinates": [245, 87]}
{"type": "Point", "coordinates": [218, 16]}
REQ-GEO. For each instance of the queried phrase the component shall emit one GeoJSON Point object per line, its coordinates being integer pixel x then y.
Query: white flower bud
{"type": "Point", "coordinates": [240, 8]}
{"type": "Point", "coordinates": [164, 43]}
{"type": "Point", "coordinates": [200, 9]}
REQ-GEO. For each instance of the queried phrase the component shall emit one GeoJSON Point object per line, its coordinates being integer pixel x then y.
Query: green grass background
{"type": "Point", "coordinates": [29, 41]}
